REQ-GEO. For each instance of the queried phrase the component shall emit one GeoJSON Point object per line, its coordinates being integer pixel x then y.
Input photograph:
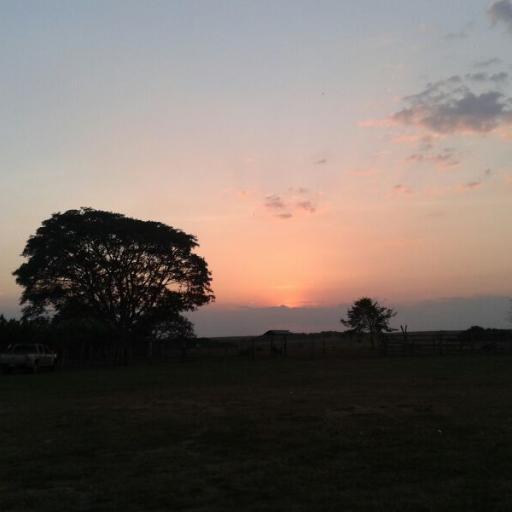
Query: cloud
{"type": "Point", "coordinates": [426, 143]}
{"type": "Point", "coordinates": [307, 206]}
{"type": "Point", "coordinates": [402, 190]}
{"type": "Point", "coordinates": [461, 34]}
{"type": "Point", "coordinates": [448, 190]}
{"type": "Point", "coordinates": [501, 12]}
{"type": "Point", "coordinates": [294, 201]}
{"type": "Point", "coordinates": [499, 77]}
{"type": "Point", "coordinates": [474, 184]}
{"type": "Point", "coordinates": [482, 77]}
{"type": "Point", "coordinates": [450, 106]}
{"type": "Point", "coordinates": [470, 185]}
{"type": "Point", "coordinates": [443, 159]}
{"type": "Point", "coordinates": [426, 152]}
{"type": "Point", "coordinates": [477, 77]}
{"type": "Point", "coordinates": [482, 64]}
{"type": "Point", "coordinates": [274, 202]}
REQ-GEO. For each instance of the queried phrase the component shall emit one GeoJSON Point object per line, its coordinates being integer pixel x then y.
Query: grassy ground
{"type": "Point", "coordinates": [362, 434]}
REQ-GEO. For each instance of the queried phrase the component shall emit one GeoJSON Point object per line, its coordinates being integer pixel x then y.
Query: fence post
{"type": "Point", "coordinates": [405, 338]}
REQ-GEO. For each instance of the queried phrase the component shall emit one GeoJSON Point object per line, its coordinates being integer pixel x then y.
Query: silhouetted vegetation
{"type": "Point", "coordinates": [108, 282]}
{"type": "Point", "coordinates": [367, 316]}
{"type": "Point", "coordinates": [24, 331]}
{"type": "Point", "coordinates": [485, 339]}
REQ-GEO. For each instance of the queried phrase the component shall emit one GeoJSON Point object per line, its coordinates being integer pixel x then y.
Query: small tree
{"type": "Point", "coordinates": [368, 316]}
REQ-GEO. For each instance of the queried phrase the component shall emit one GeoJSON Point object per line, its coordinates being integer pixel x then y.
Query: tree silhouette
{"type": "Point", "coordinates": [130, 274]}
{"type": "Point", "coordinates": [368, 316]}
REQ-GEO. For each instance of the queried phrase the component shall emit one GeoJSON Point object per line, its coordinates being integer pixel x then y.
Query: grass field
{"type": "Point", "coordinates": [387, 434]}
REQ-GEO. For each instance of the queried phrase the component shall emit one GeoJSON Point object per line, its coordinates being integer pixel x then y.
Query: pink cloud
{"type": "Point", "coordinates": [444, 159]}
{"type": "Point", "coordinates": [470, 185]}
{"type": "Point", "coordinates": [292, 203]}
{"type": "Point", "coordinates": [402, 190]}
{"type": "Point", "coordinates": [307, 206]}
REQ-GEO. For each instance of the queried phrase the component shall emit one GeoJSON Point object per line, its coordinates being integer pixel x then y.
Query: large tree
{"type": "Point", "coordinates": [128, 273]}
{"type": "Point", "coordinates": [368, 316]}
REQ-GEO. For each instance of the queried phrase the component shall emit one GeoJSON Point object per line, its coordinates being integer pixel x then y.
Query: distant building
{"type": "Point", "coordinates": [277, 332]}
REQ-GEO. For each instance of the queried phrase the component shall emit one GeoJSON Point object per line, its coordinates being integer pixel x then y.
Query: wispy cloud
{"type": "Point", "coordinates": [299, 190]}
{"type": "Point", "coordinates": [446, 190]}
{"type": "Point", "coordinates": [444, 159]}
{"type": "Point", "coordinates": [296, 200]}
{"type": "Point", "coordinates": [483, 77]}
{"type": "Point", "coordinates": [460, 34]}
{"type": "Point", "coordinates": [400, 189]}
{"type": "Point", "coordinates": [483, 64]}
{"type": "Point", "coordinates": [477, 183]}
{"type": "Point", "coordinates": [424, 141]}
{"type": "Point", "coordinates": [274, 202]}
{"type": "Point", "coordinates": [308, 206]}
{"type": "Point", "coordinates": [470, 185]}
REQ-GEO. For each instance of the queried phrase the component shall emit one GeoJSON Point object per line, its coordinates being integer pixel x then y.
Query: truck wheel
{"type": "Point", "coordinates": [35, 367]}
{"type": "Point", "coordinates": [6, 369]}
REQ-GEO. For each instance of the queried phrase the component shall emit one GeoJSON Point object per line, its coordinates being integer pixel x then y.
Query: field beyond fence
{"type": "Point", "coordinates": [333, 344]}
{"type": "Point", "coordinates": [76, 351]}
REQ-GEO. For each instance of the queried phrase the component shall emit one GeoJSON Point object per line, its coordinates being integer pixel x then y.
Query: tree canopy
{"type": "Point", "coordinates": [368, 316]}
{"type": "Point", "coordinates": [128, 273]}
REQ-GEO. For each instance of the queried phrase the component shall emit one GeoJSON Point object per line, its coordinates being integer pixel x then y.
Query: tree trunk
{"type": "Point", "coordinates": [126, 344]}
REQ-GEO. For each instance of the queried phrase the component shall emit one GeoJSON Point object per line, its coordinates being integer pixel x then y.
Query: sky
{"type": "Point", "coordinates": [320, 150]}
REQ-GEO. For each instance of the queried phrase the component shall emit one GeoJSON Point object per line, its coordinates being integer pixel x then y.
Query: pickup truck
{"type": "Point", "coordinates": [28, 356]}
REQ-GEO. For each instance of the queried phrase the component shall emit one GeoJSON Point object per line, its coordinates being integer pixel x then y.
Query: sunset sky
{"type": "Point", "coordinates": [320, 150]}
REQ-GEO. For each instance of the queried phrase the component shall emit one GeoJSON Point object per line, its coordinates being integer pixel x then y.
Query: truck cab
{"type": "Point", "coordinates": [30, 356]}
